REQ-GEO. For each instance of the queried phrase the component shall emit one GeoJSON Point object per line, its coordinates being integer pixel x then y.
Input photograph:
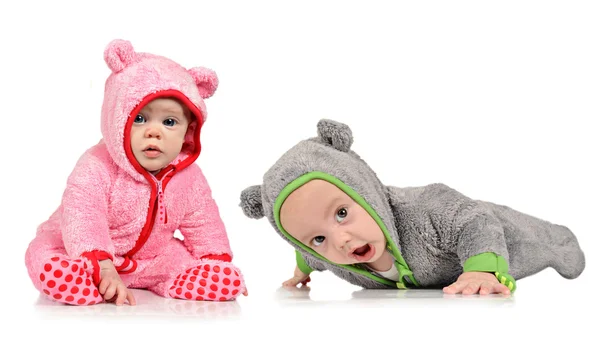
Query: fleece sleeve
{"type": "Point", "coordinates": [471, 230]}
{"type": "Point", "coordinates": [203, 229]}
{"type": "Point", "coordinates": [84, 222]}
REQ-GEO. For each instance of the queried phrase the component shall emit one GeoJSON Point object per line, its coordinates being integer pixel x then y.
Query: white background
{"type": "Point", "coordinates": [498, 100]}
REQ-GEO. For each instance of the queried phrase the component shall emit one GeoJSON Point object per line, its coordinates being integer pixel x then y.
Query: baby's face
{"type": "Point", "coordinates": [158, 133]}
{"type": "Point", "coordinates": [326, 219]}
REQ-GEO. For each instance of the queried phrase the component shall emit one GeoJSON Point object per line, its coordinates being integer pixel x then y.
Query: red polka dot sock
{"type": "Point", "coordinates": [210, 281]}
{"type": "Point", "coordinates": [68, 281]}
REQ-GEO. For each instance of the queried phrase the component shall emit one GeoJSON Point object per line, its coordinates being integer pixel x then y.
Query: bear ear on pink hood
{"type": "Point", "coordinates": [119, 54]}
{"type": "Point", "coordinates": [206, 80]}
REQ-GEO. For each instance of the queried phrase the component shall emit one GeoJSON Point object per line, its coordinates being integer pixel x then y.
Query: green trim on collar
{"type": "Point", "coordinates": [403, 268]}
{"type": "Point", "coordinates": [490, 262]}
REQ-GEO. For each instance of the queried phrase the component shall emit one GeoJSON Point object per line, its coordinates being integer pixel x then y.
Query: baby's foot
{"type": "Point", "coordinates": [68, 281]}
{"type": "Point", "coordinates": [210, 281]}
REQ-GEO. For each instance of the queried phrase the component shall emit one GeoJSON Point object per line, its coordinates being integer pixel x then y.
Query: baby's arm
{"type": "Point", "coordinates": [298, 278]}
{"type": "Point", "coordinates": [84, 226]}
{"type": "Point", "coordinates": [202, 228]}
{"type": "Point", "coordinates": [301, 272]}
{"type": "Point", "coordinates": [84, 223]}
{"type": "Point", "coordinates": [469, 229]}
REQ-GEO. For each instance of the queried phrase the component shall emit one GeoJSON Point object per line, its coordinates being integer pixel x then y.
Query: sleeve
{"type": "Point", "coordinates": [470, 229]}
{"type": "Point", "coordinates": [84, 224]}
{"type": "Point", "coordinates": [302, 265]}
{"type": "Point", "coordinates": [202, 228]}
{"type": "Point", "coordinates": [308, 264]}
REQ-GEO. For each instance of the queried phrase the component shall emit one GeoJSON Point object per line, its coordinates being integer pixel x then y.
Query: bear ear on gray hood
{"type": "Point", "coordinates": [335, 134]}
{"type": "Point", "coordinates": [251, 202]}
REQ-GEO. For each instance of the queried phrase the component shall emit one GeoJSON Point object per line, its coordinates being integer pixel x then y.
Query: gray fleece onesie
{"type": "Point", "coordinates": [434, 232]}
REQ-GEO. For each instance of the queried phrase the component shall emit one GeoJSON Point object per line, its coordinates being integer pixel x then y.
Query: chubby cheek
{"type": "Point", "coordinates": [134, 137]}
{"type": "Point", "coordinates": [379, 250]}
{"type": "Point", "coordinates": [178, 141]}
{"type": "Point", "coordinates": [335, 256]}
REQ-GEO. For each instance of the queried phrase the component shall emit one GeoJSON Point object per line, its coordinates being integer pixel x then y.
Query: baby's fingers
{"type": "Point", "coordinates": [486, 288]}
{"type": "Point", "coordinates": [501, 289]}
{"type": "Point", "coordinates": [130, 297]}
{"type": "Point", "coordinates": [104, 283]}
{"type": "Point", "coordinates": [110, 292]}
{"type": "Point", "coordinates": [472, 288]}
{"type": "Point", "coordinates": [454, 288]}
{"type": "Point", "coordinates": [121, 294]}
{"type": "Point", "coordinates": [292, 282]}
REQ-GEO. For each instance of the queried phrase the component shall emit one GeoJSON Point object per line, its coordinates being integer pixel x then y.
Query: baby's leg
{"type": "Point", "coordinates": [60, 278]}
{"type": "Point", "coordinates": [208, 280]}
{"type": "Point", "coordinates": [176, 274]}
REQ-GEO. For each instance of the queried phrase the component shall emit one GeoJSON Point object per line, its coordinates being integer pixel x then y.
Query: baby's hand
{"type": "Point", "coordinates": [299, 277]}
{"type": "Point", "coordinates": [470, 283]}
{"type": "Point", "coordinates": [111, 286]}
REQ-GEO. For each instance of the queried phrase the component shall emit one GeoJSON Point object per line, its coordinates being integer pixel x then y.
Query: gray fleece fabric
{"type": "Point", "coordinates": [431, 230]}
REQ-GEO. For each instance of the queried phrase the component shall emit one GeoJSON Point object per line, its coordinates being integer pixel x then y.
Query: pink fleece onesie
{"type": "Point", "coordinates": [112, 208]}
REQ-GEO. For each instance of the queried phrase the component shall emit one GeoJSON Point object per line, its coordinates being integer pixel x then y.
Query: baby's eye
{"type": "Point", "coordinates": [317, 241]}
{"type": "Point", "coordinates": [139, 119]}
{"type": "Point", "coordinates": [341, 214]}
{"type": "Point", "coordinates": [169, 122]}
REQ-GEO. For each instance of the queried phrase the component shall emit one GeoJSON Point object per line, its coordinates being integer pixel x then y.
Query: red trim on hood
{"type": "Point", "coordinates": [163, 94]}
{"type": "Point", "coordinates": [147, 229]}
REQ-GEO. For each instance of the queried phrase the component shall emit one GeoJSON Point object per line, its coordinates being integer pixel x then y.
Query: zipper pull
{"type": "Point", "coordinates": [162, 211]}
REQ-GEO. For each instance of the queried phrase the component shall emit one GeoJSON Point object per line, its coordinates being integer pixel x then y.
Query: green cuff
{"type": "Point", "coordinates": [302, 264]}
{"type": "Point", "coordinates": [490, 262]}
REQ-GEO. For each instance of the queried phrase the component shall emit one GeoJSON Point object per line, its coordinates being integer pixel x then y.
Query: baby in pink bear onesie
{"type": "Point", "coordinates": [129, 193]}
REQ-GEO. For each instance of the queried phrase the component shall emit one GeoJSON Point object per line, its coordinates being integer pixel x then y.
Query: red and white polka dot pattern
{"type": "Point", "coordinates": [68, 281]}
{"type": "Point", "coordinates": [211, 281]}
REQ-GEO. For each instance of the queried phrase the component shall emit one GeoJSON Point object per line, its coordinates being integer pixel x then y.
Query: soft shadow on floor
{"type": "Point", "coordinates": [148, 304]}
{"type": "Point", "coordinates": [306, 295]}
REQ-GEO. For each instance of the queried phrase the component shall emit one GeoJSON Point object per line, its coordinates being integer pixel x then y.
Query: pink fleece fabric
{"type": "Point", "coordinates": [109, 199]}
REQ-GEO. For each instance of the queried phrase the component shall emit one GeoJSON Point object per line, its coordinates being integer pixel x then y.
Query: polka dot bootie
{"type": "Point", "coordinates": [68, 281]}
{"type": "Point", "coordinates": [210, 281]}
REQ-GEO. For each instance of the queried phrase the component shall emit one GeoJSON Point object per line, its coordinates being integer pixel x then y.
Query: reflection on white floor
{"type": "Point", "coordinates": [151, 305]}
{"type": "Point", "coordinates": [545, 309]}
{"type": "Point", "coordinates": [305, 296]}
{"type": "Point", "coordinates": [148, 304]}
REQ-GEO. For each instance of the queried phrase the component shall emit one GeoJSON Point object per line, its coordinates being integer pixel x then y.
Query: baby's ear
{"type": "Point", "coordinates": [335, 134]}
{"type": "Point", "coordinates": [206, 80]}
{"type": "Point", "coordinates": [251, 202]}
{"type": "Point", "coordinates": [119, 54]}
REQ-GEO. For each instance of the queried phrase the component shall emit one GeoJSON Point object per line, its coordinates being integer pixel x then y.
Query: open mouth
{"type": "Point", "coordinates": [363, 253]}
{"type": "Point", "coordinates": [152, 151]}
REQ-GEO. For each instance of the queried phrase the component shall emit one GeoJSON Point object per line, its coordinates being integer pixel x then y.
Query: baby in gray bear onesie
{"type": "Point", "coordinates": [323, 199]}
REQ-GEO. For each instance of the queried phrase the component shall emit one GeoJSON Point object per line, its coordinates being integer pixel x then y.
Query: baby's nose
{"type": "Point", "coordinates": [342, 240]}
{"type": "Point", "coordinates": [153, 132]}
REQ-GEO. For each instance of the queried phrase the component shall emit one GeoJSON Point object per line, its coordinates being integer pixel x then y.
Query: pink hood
{"type": "Point", "coordinates": [137, 79]}
{"type": "Point", "coordinates": [112, 207]}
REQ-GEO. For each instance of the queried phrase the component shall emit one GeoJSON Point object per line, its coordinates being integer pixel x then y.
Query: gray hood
{"type": "Point", "coordinates": [328, 157]}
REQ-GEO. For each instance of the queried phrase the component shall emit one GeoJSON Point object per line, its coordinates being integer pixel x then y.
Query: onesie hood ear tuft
{"type": "Point", "coordinates": [251, 202]}
{"type": "Point", "coordinates": [335, 134]}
